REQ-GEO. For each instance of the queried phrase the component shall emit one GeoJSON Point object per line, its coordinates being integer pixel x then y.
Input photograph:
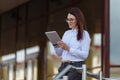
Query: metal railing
{"type": "Point", "coordinates": [82, 70]}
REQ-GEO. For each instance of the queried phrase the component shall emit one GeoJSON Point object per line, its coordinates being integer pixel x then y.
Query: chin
{"type": "Point", "coordinates": [70, 27]}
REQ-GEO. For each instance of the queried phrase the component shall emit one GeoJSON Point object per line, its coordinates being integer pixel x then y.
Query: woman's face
{"type": "Point", "coordinates": [71, 20]}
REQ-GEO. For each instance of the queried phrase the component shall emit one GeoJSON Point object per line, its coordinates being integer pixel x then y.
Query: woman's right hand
{"type": "Point", "coordinates": [63, 45]}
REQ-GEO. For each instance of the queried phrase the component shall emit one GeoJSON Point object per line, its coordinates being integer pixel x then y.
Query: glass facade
{"type": "Point", "coordinates": [114, 38]}
{"type": "Point", "coordinates": [114, 31]}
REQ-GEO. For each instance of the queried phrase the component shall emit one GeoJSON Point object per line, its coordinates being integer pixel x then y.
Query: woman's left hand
{"type": "Point", "coordinates": [63, 45]}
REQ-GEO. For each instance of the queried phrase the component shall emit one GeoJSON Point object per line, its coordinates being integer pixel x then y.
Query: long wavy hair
{"type": "Point", "coordinates": [80, 21]}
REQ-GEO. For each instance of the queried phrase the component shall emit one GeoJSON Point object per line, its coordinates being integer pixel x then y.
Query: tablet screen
{"type": "Point", "coordinates": [53, 37]}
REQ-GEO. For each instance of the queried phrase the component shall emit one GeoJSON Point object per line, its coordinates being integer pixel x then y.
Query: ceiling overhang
{"type": "Point", "coordinates": [6, 5]}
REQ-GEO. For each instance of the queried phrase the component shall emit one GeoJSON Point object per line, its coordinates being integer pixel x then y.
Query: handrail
{"type": "Point", "coordinates": [81, 70]}
{"type": "Point", "coordinates": [62, 72]}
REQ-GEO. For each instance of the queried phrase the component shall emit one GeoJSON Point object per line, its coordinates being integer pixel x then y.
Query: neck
{"type": "Point", "coordinates": [74, 28]}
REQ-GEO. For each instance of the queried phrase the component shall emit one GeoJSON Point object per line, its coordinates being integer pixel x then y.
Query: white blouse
{"type": "Point", "coordinates": [79, 49]}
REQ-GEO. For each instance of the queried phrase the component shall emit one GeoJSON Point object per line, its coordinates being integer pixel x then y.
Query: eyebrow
{"type": "Point", "coordinates": [70, 18]}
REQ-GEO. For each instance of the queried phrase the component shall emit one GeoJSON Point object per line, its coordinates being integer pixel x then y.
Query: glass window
{"type": "Point", "coordinates": [114, 38]}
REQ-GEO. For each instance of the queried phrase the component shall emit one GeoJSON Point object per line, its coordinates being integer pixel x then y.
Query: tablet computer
{"type": "Point", "coordinates": [53, 37]}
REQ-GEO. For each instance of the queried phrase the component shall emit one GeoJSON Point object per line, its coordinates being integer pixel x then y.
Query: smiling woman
{"type": "Point", "coordinates": [75, 44]}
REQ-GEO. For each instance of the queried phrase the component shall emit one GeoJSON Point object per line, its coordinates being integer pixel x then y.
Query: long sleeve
{"type": "Point", "coordinates": [58, 51]}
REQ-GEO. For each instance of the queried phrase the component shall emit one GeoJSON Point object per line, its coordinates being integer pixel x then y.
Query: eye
{"type": "Point", "coordinates": [69, 19]}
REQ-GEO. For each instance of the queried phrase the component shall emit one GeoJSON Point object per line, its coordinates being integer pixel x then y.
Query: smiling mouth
{"type": "Point", "coordinates": [70, 24]}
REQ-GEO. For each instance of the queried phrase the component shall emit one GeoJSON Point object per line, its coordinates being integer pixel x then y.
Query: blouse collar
{"type": "Point", "coordinates": [74, 29]}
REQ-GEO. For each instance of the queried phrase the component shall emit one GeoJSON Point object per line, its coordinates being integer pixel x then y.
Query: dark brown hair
{"type": "Point", "coordinates": [80, 21]}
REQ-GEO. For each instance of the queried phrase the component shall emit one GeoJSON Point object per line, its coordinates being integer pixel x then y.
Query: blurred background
{"type": "Point", "coordinates": [27, 54]}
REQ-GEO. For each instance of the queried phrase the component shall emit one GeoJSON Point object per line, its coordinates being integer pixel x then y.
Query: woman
{"type": "Point", "coordinates": [75, 43]}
